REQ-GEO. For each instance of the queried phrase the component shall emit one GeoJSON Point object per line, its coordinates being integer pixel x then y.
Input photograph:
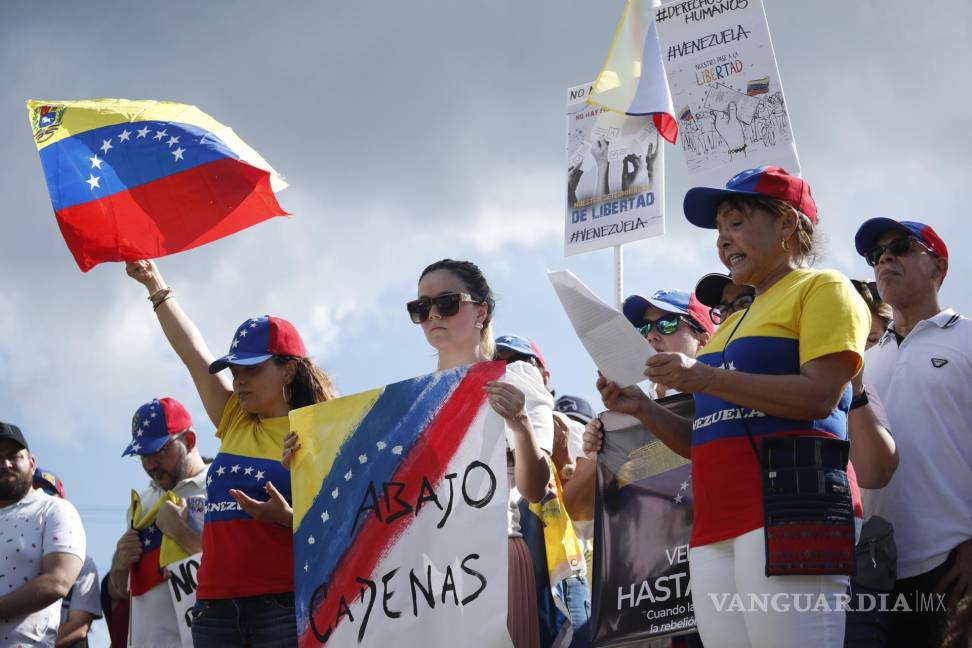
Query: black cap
{"type": "Point", "coordinates": [11, 431]}
{"type": "Point", "coordinates": [709, 289]}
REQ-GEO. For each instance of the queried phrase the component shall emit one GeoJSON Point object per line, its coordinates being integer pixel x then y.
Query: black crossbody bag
{"type": "Point", "coordinates": [808, 510]}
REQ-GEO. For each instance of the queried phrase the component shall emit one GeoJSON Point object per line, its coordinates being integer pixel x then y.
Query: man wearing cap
{"type": "Point", "coordinates": [163, 438]}
{"type": "Point", "coordinates": [42, 548]}
{"type": "Point", "coordinates": [922, 370]}
{"type": "Point", "coordinates": [82, 605]}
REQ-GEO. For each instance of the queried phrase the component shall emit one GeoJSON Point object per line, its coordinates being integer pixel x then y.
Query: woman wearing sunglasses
{"type": "Point", "coordinates": [776, 503]}
{"type": "Point", "coordinates": [455, 310]}
{"type": "Point", "coordinates": [722, 296]}
{"type": "Point", "coordinates": [672, 321]}
{"type": "Point", "coordinates": [240, 600]}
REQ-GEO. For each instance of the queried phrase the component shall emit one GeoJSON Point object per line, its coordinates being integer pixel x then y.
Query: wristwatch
{"type": "Point", "coordinates": [860, 400]}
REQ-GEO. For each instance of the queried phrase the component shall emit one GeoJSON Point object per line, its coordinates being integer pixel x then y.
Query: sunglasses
{"type": "Point", "coordinates": [897, 247]}
{"type": "Point", "coordinates": [665, 325]}
{"type": "Point", "coordinates": [723, 311]}
{"type": "Point", "coordinates": [518, 357]}
{"type": "Point", "coordinates": [447, 304]}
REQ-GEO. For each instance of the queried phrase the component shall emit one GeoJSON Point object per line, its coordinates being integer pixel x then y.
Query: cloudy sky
{"type": "Point", "coordinates": [410, 131]}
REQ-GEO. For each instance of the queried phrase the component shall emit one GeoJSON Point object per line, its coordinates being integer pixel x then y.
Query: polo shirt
{"type": "Point", "coordinates": [926, 385]}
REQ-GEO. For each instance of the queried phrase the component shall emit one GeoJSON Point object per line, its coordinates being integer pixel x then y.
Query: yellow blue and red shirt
{"type": "Point", "coordinates": [806, 315]}
{"type": "Point", "coordinates": [243, 556]}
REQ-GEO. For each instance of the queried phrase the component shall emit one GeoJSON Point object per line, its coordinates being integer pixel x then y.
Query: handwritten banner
{"type": "Point", "coordinates": [182, 587]}
{"type": "Point", "coordinates": [615, 177]}
{"type": "Point", "coordinates": [400, 515]}
{"type": "Point", "coordinates": [725, 87]}
{"type": "Point", "coordinates": [643, 520]}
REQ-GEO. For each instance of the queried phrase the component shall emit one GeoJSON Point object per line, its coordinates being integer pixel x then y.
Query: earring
{"type": "Point", "coordinates": [479, 325]}
{"type": "Point", "coordinates": [784, 245]}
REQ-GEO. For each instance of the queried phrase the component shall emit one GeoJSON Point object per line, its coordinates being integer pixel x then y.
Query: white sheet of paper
{"type": "Point", "coordinates": [616, 347]}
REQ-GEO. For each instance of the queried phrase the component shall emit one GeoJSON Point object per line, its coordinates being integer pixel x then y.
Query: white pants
{"type": "Point", "coordinates": [799, 610]}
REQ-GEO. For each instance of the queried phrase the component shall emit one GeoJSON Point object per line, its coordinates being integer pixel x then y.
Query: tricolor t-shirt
{"type": "Point", "coordinates": [806, 315]}
{"type": "Point", "coordinates": [243, 556]}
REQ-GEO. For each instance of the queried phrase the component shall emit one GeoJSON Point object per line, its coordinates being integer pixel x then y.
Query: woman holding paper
{"type": "Point", "coordinates": [776, 503]}
{"type": "Point", "coordinates": [246, 579]}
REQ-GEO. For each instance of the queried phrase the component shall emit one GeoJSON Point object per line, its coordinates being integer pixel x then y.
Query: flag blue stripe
{"type": "Point", "coordinates": [397, 418]}
{"type": "Point", "coordinates": [68, 166]}
{"type": "Point", "coordinates": [251, 475]}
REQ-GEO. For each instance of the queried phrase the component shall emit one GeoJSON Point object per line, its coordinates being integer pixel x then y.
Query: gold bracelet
{"type": "Point", "coordinates": [164, 299]}
{"type": "Point", "coordinates": [159, 296]}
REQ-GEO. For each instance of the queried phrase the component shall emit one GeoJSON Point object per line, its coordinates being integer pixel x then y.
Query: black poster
{"type": "Point", "coordinates": [643, 519]}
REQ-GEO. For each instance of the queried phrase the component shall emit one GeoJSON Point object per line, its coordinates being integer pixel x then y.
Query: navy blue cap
{"type": "Point", "coordinates": [575, 407]}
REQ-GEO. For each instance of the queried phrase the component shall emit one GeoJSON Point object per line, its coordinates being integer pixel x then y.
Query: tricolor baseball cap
{"type": "Point", "coordinates": [259, 339]}
{"type": "Point", "coordinates": [868, 234]}
{"type": "Point", "coordinates": [154, 424]}
{"type": "Point", "coordinates": [710, 287]}
{"type": "Point", "coordinates": [701, 203]}
{"type": "Point", "coordinates": [520, 344]}
{"type": "Point", "coordinates": [49, 482]}
{"type": "Point", "coordinates": [671, 301]}
{"type": "Point", "coordinates": [575, 407]}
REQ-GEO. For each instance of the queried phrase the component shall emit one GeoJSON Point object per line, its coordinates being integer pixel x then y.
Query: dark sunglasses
{"type": "Point", "coordinates": [447, 304]}
{"type": "Point", "coordinates": [665, 325]}
{"type": "Point", "coordinates": [722, 311]}
{"type": "Point", "coordinates": [897, 247]}
{"type": "Point", "coordinates": [517, 357]}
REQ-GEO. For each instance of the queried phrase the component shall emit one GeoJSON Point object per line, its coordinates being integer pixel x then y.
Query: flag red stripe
{"type": "Point", "coordinates": [666, 125]}
{"type": "Point", "coordinates": [449, 429]}
{"type": "Point", "coordinates": [169, 215]}
{"type": "Point", "coordinates": [145, 574]}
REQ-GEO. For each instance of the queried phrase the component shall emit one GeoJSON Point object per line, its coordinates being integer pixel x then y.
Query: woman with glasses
{"type": "Point", "coordinates": [881, 313]}
{"type": "Point", "coordinates": [776, 504]}
{"type": "Point", "coordinates": [242, 601]}
{"type": "Point", "coordinates": [722, 296]}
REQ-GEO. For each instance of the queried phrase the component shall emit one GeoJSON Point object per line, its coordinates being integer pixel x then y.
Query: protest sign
{"type": "Point", "coordinates": [182, 587]}
{"type": "Point", "coordinates": [615, 177]}
{"type": "Point", "coordinates": [643, 519]}
{"type": "Point", "coordinates": [400, 499]}
{"type": "Point", "coordinates": [726, 88]}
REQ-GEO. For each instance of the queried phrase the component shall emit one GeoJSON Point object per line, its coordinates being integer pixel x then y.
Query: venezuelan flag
{"type": "Point", "coordinates": [758, 87]}
{"type": "Point", "coordinates": [633, 80]}
{"type": "Point", "coordinates": [132, 180]}
{"type": "Point", "coordinates": [400, 434]}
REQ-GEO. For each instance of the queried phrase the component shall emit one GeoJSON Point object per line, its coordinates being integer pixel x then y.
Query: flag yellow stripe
{"type": "Point", "coordinates": [322, 430]}
{"type": "Point", "coordinates": [617, 81]}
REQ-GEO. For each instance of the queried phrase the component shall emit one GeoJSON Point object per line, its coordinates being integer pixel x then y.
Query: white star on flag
{"type": "Point", "coordinates": [209, 479]}
{"type": "Point", "coordinates": [381, 445]}
{"type": "Point", "coordinates": [124, 135]}
{"type": "Point", "coordinates": [325, 516]}
{"type": "Point", "coordinates": [173, 140]}
{"type": "Point", "coordinates": [138, 433]}
{"type": "Point", "coordinates": [106, 145]}
{"type": "Point", "coordinates": [93, 181]}
{"type": "Point", "coordinates": [221, 470]}
{"type": "Point", "coordinates": [347, 476]}
{"type": "Point", "coordinates": [397, 450]}
{"type": "Point", "coordinates": [311, 540]}
{"type": "Point", "coordinates": [95, 162]}
{"type": "Point", "coordinates": [362, 458]}
{"type": "Point", "coordinates": [253, 325]}
{"type": "Point", "coordinates": [243, 333]}
{"type": "Point", "coordinates": [306, 566]}
{"type": "Point", "coordinates": [178, 153]}
{"type": "Point", "coordinates": [334, 494]}
{"type": "Point", "coordinates": [160, 134]}
{"type": "Point", "coordinates": [684, 486]}
{"type": "Point", "coordinates": [142, 132]}
{"type": "Point", "coordinates": [235, 468]}
{"type": "Point", "coordinates": [248, 471]}
{"type": "Point", "coordinates": [259, 475]}
{"type": "Point", "coordinates": [145, 423]}
{"type": "Point", "coordinates": [678, 498]}
{"type": "Point", "coordinates": [147, 542]}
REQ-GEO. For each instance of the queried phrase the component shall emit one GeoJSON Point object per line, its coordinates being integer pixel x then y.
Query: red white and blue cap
{"type": "Point", "coordinates": [671, 301]}
{"type": "Point", "coordinates": [868, 234]}
{"type": "Point", "coordinates": [49, 482]}
{"type": "Point", "coordinates": [154, 424]}
{"type": "Point", "coordinates": [260, 339]}
{"type": "Point", "coordinates": [520, 344]}
{"type": "Point", "coordinates": [701, 203]}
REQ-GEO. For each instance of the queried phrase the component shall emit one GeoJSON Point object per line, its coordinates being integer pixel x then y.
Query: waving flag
{"type": "Point", "coordinates": [400, 515]}
{"type": "Point", "coordinates": [633, 79]}
{"type": "Point", "coordinates": [142, 179]}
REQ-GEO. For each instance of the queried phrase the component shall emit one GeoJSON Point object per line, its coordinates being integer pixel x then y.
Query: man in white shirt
{"type": "Point", "coordinates": [163, 438]}
{"type": "Point", "coordinates": [42, 545]}
{"type": "Point", "coordinates": [922, 371]}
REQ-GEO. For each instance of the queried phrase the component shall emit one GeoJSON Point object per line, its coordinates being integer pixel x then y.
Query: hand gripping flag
{"type": "Point", "coordinates": [633, 79]}
{"type": "Point", "coordinates": [158, 550]}
{"type": "Point", "coordinates": [132, 180]}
